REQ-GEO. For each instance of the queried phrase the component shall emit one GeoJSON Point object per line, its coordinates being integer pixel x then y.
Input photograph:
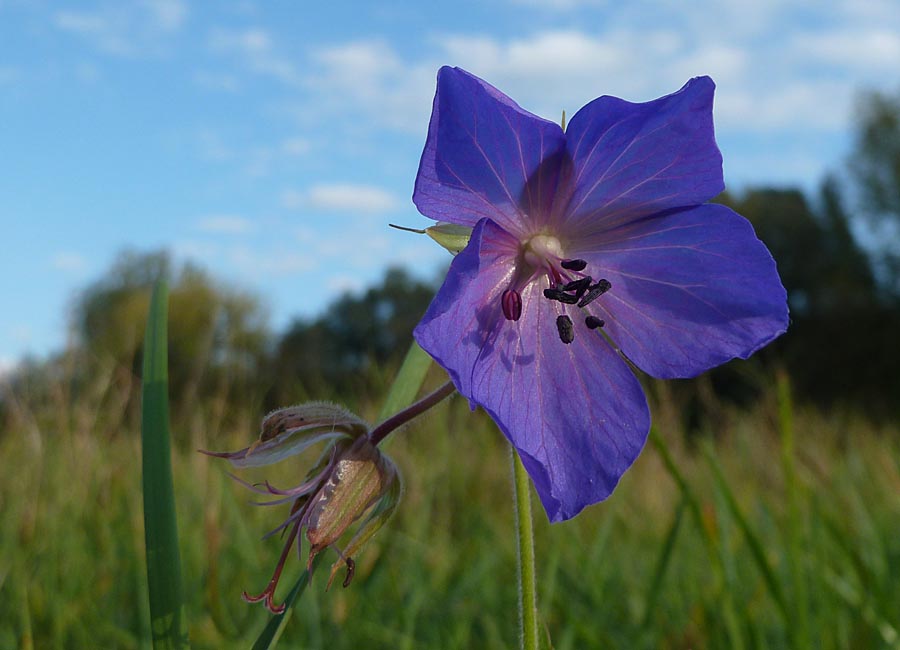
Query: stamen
{"type": "Point", "coordinates": [593, 322]}
{"type": "Point", "coordinates": [511, 302]}
{"type": "Point", "coordinates": [556, 294]}
{"type": "Point", "coordinates": [565, 329]}
{"type": "Point", "coordinates": [351, 571]}
{"type": "Point", "coordinates": [595, 292]}
{"type": "Point", "coordinates": [578, 286]}
{"type": "Point", "coordinates": [573, 265]}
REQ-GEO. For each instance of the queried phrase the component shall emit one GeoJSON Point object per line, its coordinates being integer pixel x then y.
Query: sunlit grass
{"type": "Point", "coordinates": [629, 573]}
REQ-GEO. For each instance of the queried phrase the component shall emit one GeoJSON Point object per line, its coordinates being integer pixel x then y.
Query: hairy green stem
{"type": "Point", "coordinates": [384, 429]}
{"type": "Point", "coordinates": [525, 528]}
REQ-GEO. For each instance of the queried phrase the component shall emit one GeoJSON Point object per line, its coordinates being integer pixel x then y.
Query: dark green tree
{"type": "Point", "coordinates": [875, 169]}
{"type": "Point", "coordinates": [218, 336]}
{"type": "Point", "coordinates": [841, 347]}
{"type": "Point", "coordinates": [358, 338]}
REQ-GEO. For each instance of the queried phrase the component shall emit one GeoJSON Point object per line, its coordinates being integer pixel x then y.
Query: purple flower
{"type": "Point", "coordinates": [587, 246]}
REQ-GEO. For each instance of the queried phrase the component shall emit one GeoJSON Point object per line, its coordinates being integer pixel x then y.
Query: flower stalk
{"type": "Point", "coordinates": [528, 619]}
{"type": "Point", "coordinates": [394, 422]}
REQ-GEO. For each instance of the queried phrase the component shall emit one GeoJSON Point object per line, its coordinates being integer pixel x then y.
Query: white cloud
{"type": "Point", "coordinates": [250, 261]}
{"type": "Point", "coordinates": [8, 74]}
{"type": "Point", "coordinates": [871, 49]}
{"type": "Point", "coordinates": [69, 261]}
{"type": "Point", "coordinates": [296, 146]}
{"type": "Point", "coordinates": [559, 5]}
{"type": "Point", "coordinates": [21, 334]}
{"type": "Point", "coordinates": [168, 15]}
{"type": "Point", "coordinates": [7, 366]}
{"type": "Point", "coordinates": [225, 224]}
{"type": "Point", "coordinates": [126, 29]}
{"type": "Point", "coordinates": [818, 105]}
{"type": "Point", "coordinates": [293, 199]}
{"type": "Point", "coordinates": [369, 79]}
{"type": "Point", "coordinates": [342, 197]}
{"type": "Point", "coordinates": [278, 262]}
{"type": "Point", "coordinates": [340, 284]}
{"type": "Point", "coordinates": [255, 49]}
{"type": "Point", "coordinates": [212, 146]}
{"type": "Point", "coordinates": [216, 81]}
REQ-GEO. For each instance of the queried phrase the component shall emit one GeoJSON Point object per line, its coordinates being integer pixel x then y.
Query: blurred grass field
{"type": "Point", "coordinates": [778, 528]}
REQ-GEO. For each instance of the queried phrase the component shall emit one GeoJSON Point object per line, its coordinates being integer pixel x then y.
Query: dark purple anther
{"type": "Point", "coordinates": [573, 265]}
{"type": "Point", "coordinates": [593, 322]}
{"type": "Point", "coordinates": [512, 304]}
{"type": "Point", "coordinates": [556, 294]}
{"type": "Point", "coordinates": [595, 292]}
{"type": "Point", "coordinates": [566, 331]}
{"type": "Point", "coordinates": [578, 286]}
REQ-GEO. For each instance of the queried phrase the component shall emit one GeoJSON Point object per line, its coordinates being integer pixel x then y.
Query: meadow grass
{"type": "Point", "coordinates": [779, 528]}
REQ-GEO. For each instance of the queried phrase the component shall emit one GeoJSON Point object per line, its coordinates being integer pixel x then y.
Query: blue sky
{"type": "Point", "coordinates": [273, 142]}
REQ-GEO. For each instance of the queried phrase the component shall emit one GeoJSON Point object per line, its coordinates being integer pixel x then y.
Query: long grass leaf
{"type": "Point", "coordinates": [801, 629]}
{"type": "Point", "coordinates": [756, 549]}
{"type": "Point", "coordinates": [662, 565]}
{"type": "Point", "coordinates": [729, 613]}
{"type": "Point", "coordinates": [889, 634]}
{"type": "Point", "coordinates": [167, 619]}
{"type": "Point", "coordinates": [408, 381]}
{"type": "Point", "coordinates": [272, 632]}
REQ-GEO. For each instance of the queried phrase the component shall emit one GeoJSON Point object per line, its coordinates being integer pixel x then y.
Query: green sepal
{"type": "Point", "coordinates": [451, 236]}
{"type": "Point", "coordinates": [377, 517]}
{"type": "Point", "coordinates": [292, 430]}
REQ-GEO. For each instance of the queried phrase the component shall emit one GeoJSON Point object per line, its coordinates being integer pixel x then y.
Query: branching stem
{"type": "Point", "coordinates": [384, 429]}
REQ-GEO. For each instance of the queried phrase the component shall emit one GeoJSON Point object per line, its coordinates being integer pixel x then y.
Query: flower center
{"type": "Point", "coordinates": [541, 250]}
{"type": "Point", "coordinates": [567, 282]}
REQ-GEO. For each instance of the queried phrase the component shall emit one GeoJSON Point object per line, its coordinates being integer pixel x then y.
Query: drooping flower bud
{"type": "Point", "coordinates": [291, 430]}
{"type": "Point", "coordinates": [362, 477]}
{"type": "Point", "coordinates": [352, 480]}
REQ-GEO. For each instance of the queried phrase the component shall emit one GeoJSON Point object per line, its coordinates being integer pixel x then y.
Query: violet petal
{"type": "Point", "coordinates": [691, 289]}
{"type": "Point", "coordinates": [632, 160]}
{"type": "Point", "coordinates": [576, 413]}
{"type": "Point", "coordinates": [486, 157]}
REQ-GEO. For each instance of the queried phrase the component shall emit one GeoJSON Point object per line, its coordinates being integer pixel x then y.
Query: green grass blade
{"type": "Point", "coordinates": [687, 494]}
{"type": "Point", "coordinates": [662, 565]}
{"type": "Point", "coordinates": [408, 382]}
{"type": "Point", "coordinates": [167, 620]}
{"type": "Point", "coordinates": [272, 631]}
{"type": "Point", "coordinates": [801, 628]}
{"type": "Point", "coordinates": [729, 612]}
{"type": "Point", "coordinates": [756, 548]}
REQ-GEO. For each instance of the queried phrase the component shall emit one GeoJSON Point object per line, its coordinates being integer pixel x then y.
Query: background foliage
{"type": "Point", "coordinates": [775, 526]}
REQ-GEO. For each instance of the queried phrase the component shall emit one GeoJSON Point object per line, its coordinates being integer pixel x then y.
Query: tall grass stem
{"type": "Point", "coordinates": [528, 618]}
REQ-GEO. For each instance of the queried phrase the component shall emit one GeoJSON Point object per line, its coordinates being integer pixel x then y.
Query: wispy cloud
{"type": "Point", "coordinates": [217, 81]}
{"type": "Point", "coordinates": [69, 261]}
{"type": "Point", "coordinates": [249, 260]}
{"type": "Point", "coordinates": [296, 146]}
{"type": "Point", "coordinates": [872, 49]}
{"type": "Point", "coordinates": [7, 366]}
{"type": "Point", "coordinates": [126, 29]}
{"type": "Point", "coordinates": [559, 5]}
{"type": "Point", "coordinates": [255, 49]}
{"type": "Point", "coordinates": [8, 74]}
{"type": "Point", "coordinates": [759, 53]}
{"type": "Point", "coordinates": [342, 197]}
{"type": "Point", "coordinates": [369, 79]}
{"type": "Point", "coordinates": [226, 224]}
